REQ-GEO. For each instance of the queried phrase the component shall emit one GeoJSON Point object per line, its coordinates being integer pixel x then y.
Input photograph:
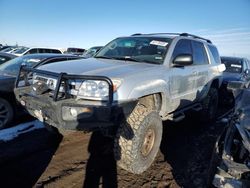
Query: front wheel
{"type": "Point", "coordinates": [6, 113]}
{"type": "Point", "coordinates": [138, 139]}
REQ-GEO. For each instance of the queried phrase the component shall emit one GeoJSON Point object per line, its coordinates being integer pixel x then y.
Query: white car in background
{"type": "Point", "coordinates": [25, 50]}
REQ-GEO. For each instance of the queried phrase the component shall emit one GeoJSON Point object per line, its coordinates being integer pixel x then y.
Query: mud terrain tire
{"type": "Point", "coordinates": [210, 105]}
{"type": "Point", "coordinates": [138, 139]}
{"type": "Point", "coordinates": [6, 113]}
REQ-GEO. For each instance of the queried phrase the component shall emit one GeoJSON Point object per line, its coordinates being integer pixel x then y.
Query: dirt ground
{"type": "Point", "coordinates": [76, 159]}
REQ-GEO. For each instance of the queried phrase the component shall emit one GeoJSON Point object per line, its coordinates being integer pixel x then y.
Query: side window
{"type": "Point", "coordinates": [215, 53]}
{"type": "Point", "coordinates": [41, 50]}
{"type": "Point", "coordinates": [32, 51]}
{"type": "Point", "coordinates": [199, 53]}
{"type": "Point", "coordinates": [47, 50]}
{"type": "Point", "coordinates": [55, 51]}
{"type": "Point", "coordinates": [183, 46]}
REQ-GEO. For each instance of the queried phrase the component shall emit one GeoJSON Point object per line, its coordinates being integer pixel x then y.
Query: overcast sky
{"type": "Point", "coordinates": [80, 23]}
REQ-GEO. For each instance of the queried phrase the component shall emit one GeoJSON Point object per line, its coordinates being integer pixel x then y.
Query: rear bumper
{"type": "Point", "coordinates": [72, 114]}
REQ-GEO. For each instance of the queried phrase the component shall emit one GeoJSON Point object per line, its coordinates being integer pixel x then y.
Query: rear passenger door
{"type": "Point", "coordinates": [201, 64]}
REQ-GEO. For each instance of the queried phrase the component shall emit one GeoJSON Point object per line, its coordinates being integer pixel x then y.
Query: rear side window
{"type": "Point", "coordinates": [41, 50]}
{"type": "Point", "coordinates": [56, 51]}
{"type": "Point", "coordinates": [215, 53]}
{"type": "Point", "coordinates": [199, 53]}
{"type": "Point", "coordinates": [183, 46]}
{"type": "Point", "coordinates": [32, 51]}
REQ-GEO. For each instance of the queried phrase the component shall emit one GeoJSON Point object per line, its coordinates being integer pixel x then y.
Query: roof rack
{"type": "Point", "coordinates": [194, 36]}
{"type": "Point", "coordinates": [156, 34]}
{"type": "Point", "coordinates": [179, 34]}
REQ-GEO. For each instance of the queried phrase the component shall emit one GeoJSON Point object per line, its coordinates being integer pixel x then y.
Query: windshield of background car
{"type": "Point", "coordinates": [141, 49]}
{"type": "Point", "coordinates": [20, 50]}
{"type": "Point", "coordinates": [8, 49]}
{"type": "Point", "coordinates": [232, 65]}
{"type": "Point", "coordinates": [12, 67]}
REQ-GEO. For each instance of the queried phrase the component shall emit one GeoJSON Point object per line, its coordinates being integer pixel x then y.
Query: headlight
{"type": "Point", "coordinates": [94, 89]}
{"type": "Point", "coordinates": [98, 90]}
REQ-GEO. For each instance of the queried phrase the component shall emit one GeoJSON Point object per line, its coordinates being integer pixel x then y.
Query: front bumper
{"type": "Point", "coordinates": [72, 114]}
{"type": "Point", "coordinates": [63, 111]}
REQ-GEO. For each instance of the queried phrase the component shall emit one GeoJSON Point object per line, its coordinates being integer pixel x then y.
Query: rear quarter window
{"type": "Point", "coordinates": [56, 51]}
{"type": "Point", "coordinates": [215, 53]}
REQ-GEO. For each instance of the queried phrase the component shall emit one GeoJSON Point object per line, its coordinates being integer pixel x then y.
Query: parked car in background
{"type": "Point", "coordinates": [8, 72]}
{"type": "Point", "coordinates": [9, 49]}
{"type": "Point", "coordinates": [91, 51]}
{"type": "Point", "coordinates": [237, 69]}
{"type": "Point", "coordinates": [75, 51]}
{"type": "Point", "coordinates": [6, 57]}
{"type": "Point", "coordinates": [25, 50]}
{"type": "Point", "coordinates": [3, 47]}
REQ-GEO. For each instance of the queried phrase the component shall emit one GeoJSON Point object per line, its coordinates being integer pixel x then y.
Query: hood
{"type": "Point", "coordinates": [227, 76]}
{"type": "Point", "coordinates": [99, 67]}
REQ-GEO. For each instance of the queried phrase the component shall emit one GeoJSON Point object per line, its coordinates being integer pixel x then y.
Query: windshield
{"type": "Point", "coordinates": [140, 49]}
{"type": "Point", "coordinates": [12, 67]}
{"type": "Point", "coordinates": [232, 65]}
{"type": "Point", "coordinates": [8, 49]}
{"type": "Point", "coordinates": [20, 50]}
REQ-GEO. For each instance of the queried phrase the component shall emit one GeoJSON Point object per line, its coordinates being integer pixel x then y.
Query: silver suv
{"type": "Point", "coordinates": [128, 88]}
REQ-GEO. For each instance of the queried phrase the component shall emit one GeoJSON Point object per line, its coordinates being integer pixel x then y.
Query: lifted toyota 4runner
{"type": "Point", "coordinates": [128, 88]}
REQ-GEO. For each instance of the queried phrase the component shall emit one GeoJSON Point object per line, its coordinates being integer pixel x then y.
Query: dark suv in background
{"type": "Point", "coordinates": [237, 69]}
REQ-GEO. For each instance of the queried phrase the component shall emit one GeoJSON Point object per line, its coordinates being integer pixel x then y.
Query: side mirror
{"type": "Point", "coordinates": [183, 60]}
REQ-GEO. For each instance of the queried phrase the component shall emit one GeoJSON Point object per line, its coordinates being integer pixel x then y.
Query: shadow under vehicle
{"type": "Point", "coordinates": [231, 158]}
{"type": "Point", "coordinates": [9, 108]}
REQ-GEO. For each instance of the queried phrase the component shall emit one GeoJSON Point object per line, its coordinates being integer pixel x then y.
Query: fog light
{"type": "Point", "coordinates": [74, 113]}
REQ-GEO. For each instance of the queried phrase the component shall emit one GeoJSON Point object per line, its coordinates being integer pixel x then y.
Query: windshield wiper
{"type": "Point", "coordinates": [126, 58]}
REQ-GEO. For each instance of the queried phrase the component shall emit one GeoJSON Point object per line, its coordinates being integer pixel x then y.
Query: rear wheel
{"type": "Point", "coordinates": [210, 105]}
{"type": "Point", "coordinates": [138, 139]}
{"type": "Point", "coordinates": [6, 113]}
